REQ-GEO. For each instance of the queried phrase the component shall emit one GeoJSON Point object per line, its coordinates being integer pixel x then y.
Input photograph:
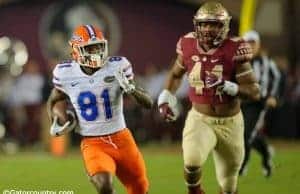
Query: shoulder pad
{"type": "Point", "coordinates": [190, 35]}
{"type": "Point", "coordinates": [64, 64]}
{"type": "Point", "coordinates": [66, 61]}
{"type": "Point", "coordinates": [115, 58]}
{"type": "Point", "coordinates": [61, 69]}
{"type": "Point", "coordinates": [119, 61]}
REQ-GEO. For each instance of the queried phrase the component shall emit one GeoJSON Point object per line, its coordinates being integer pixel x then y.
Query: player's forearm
{"type": "Point", "coordinates": [173, 82]}
{"type": "Point", "coordinates": [142, 97]}
{"type": "Point", "coordinates": [54, 97]}
{"type": "Point", "coordinates": [249, 91]}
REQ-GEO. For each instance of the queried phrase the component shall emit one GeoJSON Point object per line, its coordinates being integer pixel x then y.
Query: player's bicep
{"type": "Point", "coordinates": [244, 74]}
{"type": "Point", "coordinates": [175, 75]}
{"type": "Point", "coordinates": [56, 95]}
{"type": "Point", "coordinates": [178, 69]}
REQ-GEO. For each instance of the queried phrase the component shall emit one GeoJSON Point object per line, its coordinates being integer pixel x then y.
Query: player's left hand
{"type": "Point", "coordinates": [213, 81]}
{"type": "Point", "coordinates": [124, 82]}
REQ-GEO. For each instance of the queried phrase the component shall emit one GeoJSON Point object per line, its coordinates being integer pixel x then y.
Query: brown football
{"type": "Point", "coordinates": [59, 110]}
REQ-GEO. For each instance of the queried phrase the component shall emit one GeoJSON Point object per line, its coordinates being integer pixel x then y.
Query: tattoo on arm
{"type": "Point", "coordinates": [141, 96]}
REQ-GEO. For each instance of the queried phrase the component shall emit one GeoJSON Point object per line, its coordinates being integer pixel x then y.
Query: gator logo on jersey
{"type": "Point", "coordinates": [109, 79]}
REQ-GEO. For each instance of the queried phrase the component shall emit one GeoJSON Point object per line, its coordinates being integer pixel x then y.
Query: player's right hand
{"type": "Point", "coordinates": [166, 112]}
{"type": "Point", "coordinates": [56, 129]}
{"type": "Point", "coordinates": [167, 106]}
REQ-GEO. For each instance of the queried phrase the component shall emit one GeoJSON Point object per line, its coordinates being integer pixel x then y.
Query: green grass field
{"type": "Point", "coordinates": [40, 171]}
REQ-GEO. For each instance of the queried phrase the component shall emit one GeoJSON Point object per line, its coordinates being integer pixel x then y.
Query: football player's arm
{"type": "Point", "coordinates": [55, 96]}
{"type": "Point", "coordinates": [57, 129]}
{"type": "Point", "coordinates": [141, 95]}
{"type": "Point", "coordinates": [175, 75]}
{"type": "Point", "coordinates": [248, 87]}
{"type": "Point", "coordinates": [167, 101]}
{"type": "Point", "coordinates": [125, 77]}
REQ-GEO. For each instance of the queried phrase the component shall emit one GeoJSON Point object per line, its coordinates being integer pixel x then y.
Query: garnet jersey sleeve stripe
{"type": "Point", "coordinates": [243, 53]}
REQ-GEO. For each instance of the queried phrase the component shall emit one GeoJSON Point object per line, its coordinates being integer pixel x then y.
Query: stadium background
{"type": "Point", "coordinates": [33, 38]}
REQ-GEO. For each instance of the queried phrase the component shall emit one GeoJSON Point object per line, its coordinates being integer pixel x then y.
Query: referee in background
{"type": "Point", "coordinates": [268, 77]}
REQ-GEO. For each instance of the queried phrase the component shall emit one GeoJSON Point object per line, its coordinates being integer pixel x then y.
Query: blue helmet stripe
{"type": "Point", "coordinates": [91, 31]}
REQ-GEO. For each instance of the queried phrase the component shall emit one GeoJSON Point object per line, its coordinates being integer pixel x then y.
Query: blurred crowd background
{"type": "Point", "coordinates": [34, 38]}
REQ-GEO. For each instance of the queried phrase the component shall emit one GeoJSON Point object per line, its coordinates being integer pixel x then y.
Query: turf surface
{"type": "Point", "coordinates": [40, 171]}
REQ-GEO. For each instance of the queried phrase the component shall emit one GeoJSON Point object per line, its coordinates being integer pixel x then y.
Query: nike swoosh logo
{"type": "Point", "coordinates": [74, 84]}
{"type": "Point", "coordinates": [214, 60]}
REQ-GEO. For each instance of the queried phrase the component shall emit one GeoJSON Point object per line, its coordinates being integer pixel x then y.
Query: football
{"type": "Point", "coordinates": [60, 110]}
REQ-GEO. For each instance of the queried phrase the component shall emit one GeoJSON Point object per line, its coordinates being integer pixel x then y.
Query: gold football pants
{"type": "Point", "coordinates": [221, 135]}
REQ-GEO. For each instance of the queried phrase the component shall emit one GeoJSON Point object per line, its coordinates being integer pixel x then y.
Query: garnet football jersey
{"type": "Point", "coordinates": [198, 64]}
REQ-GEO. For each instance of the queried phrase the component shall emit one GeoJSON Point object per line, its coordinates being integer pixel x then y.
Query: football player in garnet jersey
{"type": "Point", "coordinates": [95, 82]}
{"type": "Point", "coordinates": [219, 74]}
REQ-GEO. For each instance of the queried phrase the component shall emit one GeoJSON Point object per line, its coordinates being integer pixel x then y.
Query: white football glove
{"type": "Point", "coordinates": [230, 88]}
{"type": "Point", "coordinates": [168, 106]}
{"type": "Point", "coordinates": [58, 130]}
{"type": "Point", "coordinates": [124, 81]}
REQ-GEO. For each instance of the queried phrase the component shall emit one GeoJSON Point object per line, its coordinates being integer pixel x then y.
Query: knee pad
{"type": "Point", "coordinates": [192, 175]}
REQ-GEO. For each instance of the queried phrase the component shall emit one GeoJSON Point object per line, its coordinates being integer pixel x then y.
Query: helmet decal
{"type": "Point", "coordinates": [91, 31]}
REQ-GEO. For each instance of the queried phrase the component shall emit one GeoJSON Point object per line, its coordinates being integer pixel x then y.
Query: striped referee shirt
{"type": "Point", "coordinates": [267, 75]}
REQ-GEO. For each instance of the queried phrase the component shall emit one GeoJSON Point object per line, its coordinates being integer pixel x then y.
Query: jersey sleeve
{"type": "Point", "coordinates": [179, 47]}
{"type": "Point", "coordinates": [59, 76]}
{"type": "Point", "coordinates": [124, 64]}
{"type": "Point", "coordinates": [243, 52]}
